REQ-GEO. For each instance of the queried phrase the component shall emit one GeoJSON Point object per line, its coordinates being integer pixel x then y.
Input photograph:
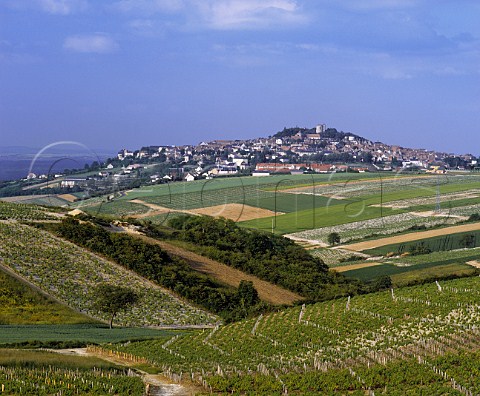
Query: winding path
{"type": "Point", "coordinates": [155, 385]}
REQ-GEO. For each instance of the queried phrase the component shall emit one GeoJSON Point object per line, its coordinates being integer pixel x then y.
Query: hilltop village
{"type": "Point", "coordinates": [290, 151]}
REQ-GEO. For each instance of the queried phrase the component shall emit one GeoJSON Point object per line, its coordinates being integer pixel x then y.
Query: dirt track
{"type": "Point", "coordinates": [414, 236]}
{"type": "Point", "coordinates": [344, 268]}
{"type": "Point", "coordinates": [156, 384]}
{"type": "Point", "coordinates": [223, 273]}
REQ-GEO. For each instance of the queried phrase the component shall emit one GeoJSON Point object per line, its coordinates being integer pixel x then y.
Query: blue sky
{"type": "Point", "coordinates": [118, 73]}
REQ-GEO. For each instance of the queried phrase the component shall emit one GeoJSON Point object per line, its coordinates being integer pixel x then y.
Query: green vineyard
{"type": "Point", "coordinates": [424, 337]}
{"type": "Point", "coordinates": [46, 373]}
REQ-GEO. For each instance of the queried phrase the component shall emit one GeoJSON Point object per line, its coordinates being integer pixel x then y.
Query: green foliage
{"type": "Point", "coordinates": [289, 132]}
{"type": "Point", "coordinates": [474, 217]}
{"type": "Point", "coordinates": [247, 293]}
{"type": "Point", "coordinates": [418, 249]}
{"type": "Point", "coordinates": [415, 274]}
{"type": "Point", "coordinates": [46, 373]}
{"type": "Point", "coordinates": [112, 299]}
{"type": "Point", "coordinates": [390, 343]}
{"type": "Point", "coordinates": [467, 241]}
{"type": "Point", "coordinates": [350, 258]}
{"type": "Point", "coordinates": [17, 211]}
{"type": "Point", "coordinates": [151, 262]}
{"type": "Point", "coordinates": [383, 282]}
{"type": "Point", "coordinates": [333, 238]}
{"type": "Point", "coordinates": [71, 336]}
{"type": "Point", "coordinates": [270, 257]}
{"type": "Point", "coordinates": [445, 243]}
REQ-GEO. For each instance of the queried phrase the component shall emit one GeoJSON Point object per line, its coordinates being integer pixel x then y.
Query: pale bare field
{"type": "Point", "coordinates": [474, 263]}
{"type": "Point", "coordinates": [414, 236]}
{"type": "Point", "coordinates": [68, 197]}
{"type": "Point", "coordinates": [233, 211]}
{"type": "Point", "coordinates": [355, 266]}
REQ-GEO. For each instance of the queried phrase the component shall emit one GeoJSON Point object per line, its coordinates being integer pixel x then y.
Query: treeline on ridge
{"type": "Point", "coordinates": [151, 262]}
{"type": "Point", "coordinates": [270, 257]}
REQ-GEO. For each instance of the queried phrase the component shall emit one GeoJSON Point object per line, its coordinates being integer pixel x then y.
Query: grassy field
{"type": "Point", "coordinates": [351, 210]}
{"type": "Point", "coordinates": [82, 334]}
{"type": "Point", "coordinates": [116, 209]}
{"type": "Point", "coordinates": [402, 275]}
{"type": "Point", "coordinates": [407, 269]}
{"type": "Point", "coordinates": [451, 241]}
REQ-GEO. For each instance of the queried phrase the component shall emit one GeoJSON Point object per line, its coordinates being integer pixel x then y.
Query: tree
{"type": "Point", "coordinates": [333, 238]}
{"type": "Point", "coordinates": [467, 241]}
{"type": "Point", "coordinates": [112, 299]}
{"type": "Point", "coordinates": [383, 282]}
{"type": "Point", "coordinates": [247, 294]}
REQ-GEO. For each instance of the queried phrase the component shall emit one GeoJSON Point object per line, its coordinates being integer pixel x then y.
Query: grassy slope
{"type": "Point", "coordinates": [82, 334]}
{"type": "Point", "coordinates": [267, 291]}
{"type": "Point", "coordinates": [19, 304]}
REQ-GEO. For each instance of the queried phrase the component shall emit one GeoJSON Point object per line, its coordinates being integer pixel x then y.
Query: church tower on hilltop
{"type": "Point", "coordinates": [320, 128]}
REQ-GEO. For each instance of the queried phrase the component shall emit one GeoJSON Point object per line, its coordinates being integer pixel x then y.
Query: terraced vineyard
{"type": "Point", "coordinates": [424, 337]}
{"type": "Point", "coordinates": [69, 273]}
{"type": "Point", "coordinates": [332, 257]}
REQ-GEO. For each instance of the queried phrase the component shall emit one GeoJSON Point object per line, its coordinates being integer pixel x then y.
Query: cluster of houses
{"type": "Point", "coordinates": [291, 152]}
{"type": "Point", "coordinates": [294, 150]}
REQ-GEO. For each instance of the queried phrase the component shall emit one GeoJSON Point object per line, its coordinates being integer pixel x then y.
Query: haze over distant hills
{"type": "Point", "coordinates": [15, 161]}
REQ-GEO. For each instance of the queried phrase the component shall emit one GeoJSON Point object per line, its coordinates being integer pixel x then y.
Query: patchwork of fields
{"type": "Point", "coordinates": [303, 202]}
{"type": "Point", "coordinates": [310, 207]}
{"type": "Point", "coordinates": [422, 338]}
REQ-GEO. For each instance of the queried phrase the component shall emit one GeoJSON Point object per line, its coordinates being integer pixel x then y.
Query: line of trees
{"type": "Point", "coordinates": [151, 262]}
{"type": "Point", "coordinates": [270, 257]}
